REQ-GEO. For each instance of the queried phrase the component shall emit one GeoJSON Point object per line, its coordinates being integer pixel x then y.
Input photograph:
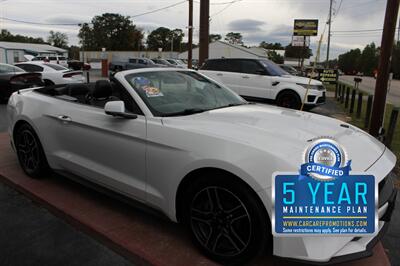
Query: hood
{"type": "Point", "coordinates": [283, 132]}
{"type": "Point", "coordinates": [296, 79]}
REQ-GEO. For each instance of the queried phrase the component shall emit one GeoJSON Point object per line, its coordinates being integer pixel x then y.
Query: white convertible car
{"type": "Point", "coordinates": [194, 150]}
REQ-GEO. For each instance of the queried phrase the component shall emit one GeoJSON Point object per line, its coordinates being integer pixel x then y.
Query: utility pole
{"type": "Point", "coordinates": [398, 32]}
{"type": "Point", "coordinates": [204, 30]}
{"type": "Point", "coordinates": [389, 29]}
{"type": "Point", "coordinates": [329, 33]}
{"type": "Point", "coordinates": [190, 38]}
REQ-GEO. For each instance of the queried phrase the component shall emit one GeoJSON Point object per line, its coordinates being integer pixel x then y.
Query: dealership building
{"type": "Point", "coordinates": [13, 52]}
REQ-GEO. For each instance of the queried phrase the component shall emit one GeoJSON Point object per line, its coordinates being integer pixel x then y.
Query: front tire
{"type": "Point", "coordinates": [30, 152]}
{"type": "Point", "coordinates": [289, 99]}
{"type": "Point", "coordinates": [225, 219]}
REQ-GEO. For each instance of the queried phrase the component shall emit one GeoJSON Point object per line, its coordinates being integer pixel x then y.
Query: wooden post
{"type": "Point", "coordinates": [204, 31]}
{"type": "Point", "coordinates": [359, 104]}
{"type": "Point", "coordinates": [353, 98]}
{"type": "Point", "coordinates": [190, 32]}
{"type": "Point", "coordinates": [346, 104]}
{"type": "Point", "coordinates": [392, 126]}
{"type": "Point", "coordinates": [336, 90]}
{"type": "Point", "coordinates": [369, 109]}
{"type": "Point", "coordinates": [338, 93]}
{"type": "Point", "coordinates": [342, 94]}
{"type": "Point", "coordinates": [389, 28]}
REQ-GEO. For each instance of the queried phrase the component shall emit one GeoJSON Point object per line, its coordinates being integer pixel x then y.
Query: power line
{"type": "Point", "coordinates": [39, 23]}
{"type": "Point", "coordinates": [337, 11]}
{"type": "Point", "coordinates": [159, 9]}
{"type": "Point", "coordinates": [78, 24]}
{"type": "Point", "coordinates": [225, 8]}
{"type": "Point", "coordinates": [358, 30]}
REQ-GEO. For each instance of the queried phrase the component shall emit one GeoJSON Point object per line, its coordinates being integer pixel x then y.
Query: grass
{"type": "Point", "coordinates": [360, 122]}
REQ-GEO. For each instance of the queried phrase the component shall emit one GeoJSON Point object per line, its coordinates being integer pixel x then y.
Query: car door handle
{"type": "Point", "coordinates": [245, 77]}
{"type": "Point", "coordinates": [219, 74]}
{"type": "Point", "coordinates": [64, 118]}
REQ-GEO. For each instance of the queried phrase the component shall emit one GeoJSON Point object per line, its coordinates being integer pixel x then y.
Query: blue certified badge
{"type": "Point", "coordinates": [323, 198]}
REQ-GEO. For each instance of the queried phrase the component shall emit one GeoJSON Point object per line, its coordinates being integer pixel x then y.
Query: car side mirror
{"type": "Point", "coordinates": [117, 108]}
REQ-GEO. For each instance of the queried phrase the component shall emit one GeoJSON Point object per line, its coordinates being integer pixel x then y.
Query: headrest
{"type": "Point", "coordinates": [102, 89]}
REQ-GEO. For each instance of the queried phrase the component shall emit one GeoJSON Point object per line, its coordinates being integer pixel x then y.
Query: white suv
{"type": "Point", "coordinates": [261, 79]}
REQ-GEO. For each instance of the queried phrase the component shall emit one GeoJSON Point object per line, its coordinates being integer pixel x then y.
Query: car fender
{"type": "Point", "coordinates": [286, 86]}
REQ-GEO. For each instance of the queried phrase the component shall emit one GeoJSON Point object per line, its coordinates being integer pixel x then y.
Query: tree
{"type": "Point", "coordinates": [271, 46]}
{"type": "Point", "coordinates": [348, 62]}
{"type": "Point", "coordinates": [58, 39]}
{"type": "Point", "coordinates": [396, 61]}
{"type": "Point", "coordinates": [234, 38]}
{"type": "Point", "coordinates": [368, 60]}
{"type": "Point", "coordinates": [111, 31]}
{"type": "Point", "coordinates": [214, 37]}
{"type": "Point", "coordinates": [7, 36]}
{"type": "Point", "coordinates": [275, 57]}
{"type": "Point", "coordinates": [162, 38]}
{"type": "Point", "coordinates": [297, 52]}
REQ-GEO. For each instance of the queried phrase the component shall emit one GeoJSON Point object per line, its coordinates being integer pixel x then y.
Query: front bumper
{"type": "Point", "coordinates": [308, 249]}
{"type": "Point", "coordinates": [316, 99]}
{"type": "Point", "coordinates": [385, 214]}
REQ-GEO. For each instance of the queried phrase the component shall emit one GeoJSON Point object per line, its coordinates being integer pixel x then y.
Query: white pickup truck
{"type": "Point", "coordinates": [261, 79]}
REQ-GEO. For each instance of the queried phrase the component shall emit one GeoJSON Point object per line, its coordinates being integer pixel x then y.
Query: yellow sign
{"type": "Point", "coordinates": [305, 27]}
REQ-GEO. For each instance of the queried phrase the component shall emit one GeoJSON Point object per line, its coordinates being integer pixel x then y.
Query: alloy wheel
{"type": "Point", "coordinates": [220, 221]}
{"type": "Point", "coordinates": [28, 151]}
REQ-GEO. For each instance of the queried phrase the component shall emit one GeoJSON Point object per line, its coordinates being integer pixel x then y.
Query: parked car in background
{"type": "Point", "coordinates": [262, 79]}
{"type": "Point", "coordinates": [194, 150]}
{"type": "Point", "coordinates": [55, 59]}
{"type": "Point", "coordinates": [162, 62]}
{"type": "Point", "coordinates": [78, 65]}
{"type": "Point", "coordinates": [177, 63]}
{"type": "Point", "coordinates": [133, 63]}
{"type": "Point", "coordinates": [13, 78]}
{"type": "Point", "coordinates": [289, 69]}
{"type": "Point", "coordinates": [53, 73]}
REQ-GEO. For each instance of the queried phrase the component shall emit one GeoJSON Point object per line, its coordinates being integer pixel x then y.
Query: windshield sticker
{"type": "Point", "coordinates": [152, 91]}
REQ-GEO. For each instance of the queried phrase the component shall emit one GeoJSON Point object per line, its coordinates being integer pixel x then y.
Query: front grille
{"type": "Point", "coordinates": [322, 98]}
{"type": "Point", "coordinates": [311, 98]}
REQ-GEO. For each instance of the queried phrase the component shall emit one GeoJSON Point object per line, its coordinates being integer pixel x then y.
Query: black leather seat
{"type": "Point", "coordinates": [101, 94]}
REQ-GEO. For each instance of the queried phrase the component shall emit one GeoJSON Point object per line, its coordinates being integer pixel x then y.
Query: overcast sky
{"type": "Point", "coordinates": [257, 20]}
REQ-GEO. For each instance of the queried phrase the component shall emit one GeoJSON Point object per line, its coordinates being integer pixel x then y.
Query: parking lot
{"type": "Point", "coordinates": [55, 235]}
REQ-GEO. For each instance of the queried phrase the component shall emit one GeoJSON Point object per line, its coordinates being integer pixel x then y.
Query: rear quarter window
{"type": "Point", "coordinates": [30, 67]}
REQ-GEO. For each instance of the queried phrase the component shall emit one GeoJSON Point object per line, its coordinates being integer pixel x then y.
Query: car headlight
{"type": "Point", "coordinates": [312, 87]}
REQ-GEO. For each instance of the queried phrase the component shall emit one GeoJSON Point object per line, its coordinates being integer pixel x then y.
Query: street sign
{"type": "Point", "coordinates": [305, 27]}
{"type": "Point", "coordinates": [299, 41]}
{"type": "Point", "coordinates": [328, 76]}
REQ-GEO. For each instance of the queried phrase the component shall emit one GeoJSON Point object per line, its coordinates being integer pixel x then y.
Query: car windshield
{"type": "Point", "coordinates": [57, 67]}
{"type": "Point", "coordinates": [10, 69]}
{"type": "Point", "coordinates": [176, 93]}
{"type": "Point", "coordinates": [171, 61]}
{"type": "Point", "coordinates": [272, 68]}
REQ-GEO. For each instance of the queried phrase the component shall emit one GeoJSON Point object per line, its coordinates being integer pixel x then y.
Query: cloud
{"type": "Point", "coordinates": [67, 19]}
{"type": "Point", "coordinates": [280, 33]}
{"type": "Point", "coordinates": [246, 25]}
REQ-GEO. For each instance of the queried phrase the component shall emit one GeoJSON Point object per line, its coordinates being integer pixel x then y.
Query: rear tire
{"type": "Point", "coordinates": [289, 99]}
{"type": "Point", "coordinates": [30, 152]}
{"type": "Point", "coordinates": [226, 220]}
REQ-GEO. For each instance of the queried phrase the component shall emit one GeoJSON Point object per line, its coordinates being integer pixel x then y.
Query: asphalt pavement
{"type": "Point", "coordinates": [31, 235]}
{"type": "Point", "coordinates": [368, 85]}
